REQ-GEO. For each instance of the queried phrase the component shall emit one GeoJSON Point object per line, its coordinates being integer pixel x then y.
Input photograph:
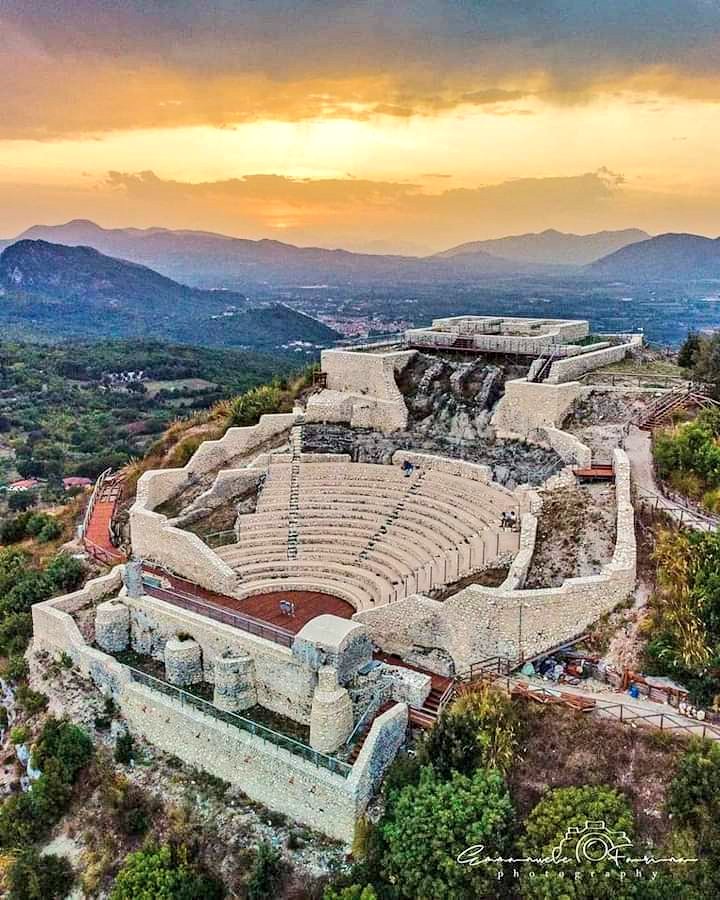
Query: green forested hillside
{"type": "Point", "coordinates": [72, 408]}
{"type": "Point", "coordinates": [49, 291]}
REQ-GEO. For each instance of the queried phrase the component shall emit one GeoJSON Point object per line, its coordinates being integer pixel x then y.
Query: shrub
{"type": "Point", "coordinates": [16, 668]}
{"type": "Point", "coordinates": [31, 876]}
{"type": "Point", "coordinates": [60, 752]}
{"type": "Point", "coordinates": [124, 748]}
{"type": "Point", "coordinates": [65, 743]}
{"type": "Point", "coordinates": [20, 734]}
{"type": "Point", "coordinates": [478, 730]}
{"type": "Point", "coordinates": [545, 830]}
{"type": "Point", "coordinates": [430, 824]}
{"type": "Point", "coordinates": [694, 795]}
{"type": "Point", "coordinates": [32, 702]}
{"type": "Point", "coordinates": [163, 873]}
{"type": "Point", "coordinates": [353, 892]}
{"type": "Point", "coordinates": [266, 874]}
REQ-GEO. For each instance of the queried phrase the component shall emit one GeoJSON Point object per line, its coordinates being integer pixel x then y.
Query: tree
{"type": "Point", "coordinates": [707, 363]}
{"type": "Point", "coordinates": [478, 730]}
{"type": "Point", "coordinates": [694, 795]}
{"type": "Point", "coordinates": [429, 825]}
{"type": "Point", "coordinates": [35, 877]}
{"type": "Point", "coordinates": [581, 872]}
{"type": "Point", "coordinates": [66, 743]}
{"type": "Point", "coordinates": [163, 873]}
{"type": "Point", "coordinates": [353, 892]}
{"type": "Point", "coordinates": [687, 357]}
{"type": "Point", "coordinates": [267, 873]}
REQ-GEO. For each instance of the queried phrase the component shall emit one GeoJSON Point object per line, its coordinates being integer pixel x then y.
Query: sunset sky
{"type": "Point", "coordinates": [404, 126]}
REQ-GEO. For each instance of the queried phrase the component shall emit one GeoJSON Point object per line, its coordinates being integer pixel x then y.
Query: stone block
{"type": "Point", "coordinates": [235, 688]}
{"type": "Point", "coordinates": [183, 662]}
{"type": "Point", "coordinates": [409, 686]}
{"type": "Point", "coordinates": [112, 626]}
{"type": "Point", "coordinates": [331, 716]}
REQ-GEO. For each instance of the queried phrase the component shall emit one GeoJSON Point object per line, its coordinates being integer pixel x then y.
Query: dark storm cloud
{"type": "Point", "coordinates": [81, 65]}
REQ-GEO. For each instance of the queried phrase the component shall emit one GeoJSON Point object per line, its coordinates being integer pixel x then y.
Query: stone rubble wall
{"type": "Point", "coordinates": [283, 684]}
{"type": "Point", "coordinates": [479, 622]}
{"type": "Point", "coordinates": [386, 737]}
{"type": "Point", "coordinates": [282, 781]}
{"type": "Point", "coordinates": [526, 406]}
{"type": "Point", "coordinates": [570, 449]}
{"type": "Point", "coordinates": [277, 778]}
{"type": "Point", "coordinates": [155, 540]}
{"type": "Point", "coordinates": [521, 563]}
{"type": "Point", "coordinates": [228, 483]}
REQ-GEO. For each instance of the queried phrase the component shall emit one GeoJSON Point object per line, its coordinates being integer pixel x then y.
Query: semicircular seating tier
{"type": "Point", "coordinates": [369, 534]}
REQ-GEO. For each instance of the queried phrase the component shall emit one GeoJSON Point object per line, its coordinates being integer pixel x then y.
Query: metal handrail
{"type": "Point", "coordinates": [92, 501]}
{"type": "Point", "coordinates": [212, 538]}
{"type": "Point", "coordinates": [237, 620]}
{"type": "Point", "coordinates": [629, 714]}
{"type": "Point", "coordinates": [372, 707]}
{"type": "Point", "coordinates": [262, 731]}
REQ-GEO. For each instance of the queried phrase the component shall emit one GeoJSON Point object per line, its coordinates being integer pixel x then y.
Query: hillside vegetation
{"type": "Point", "coordinates": [50, 290]}
{"type": "Point", "coordinates": [77, 408]}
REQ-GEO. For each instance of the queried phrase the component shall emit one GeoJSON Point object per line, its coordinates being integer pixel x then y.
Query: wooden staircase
{"type": "Point", "coordinates": [665, 407]}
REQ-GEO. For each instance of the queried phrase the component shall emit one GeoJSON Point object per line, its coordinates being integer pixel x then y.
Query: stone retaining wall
{"type": "Point", "coordinates": [154, 539]}
{"type": "Point", "coordinates": [563, 370]}
{"type": "Point", "coordinates": [526, 406]}
{"type": "Point", "coordinates": [361, 390]}
{"type": "Point", "coordinates": [282, 683]}
{"type": "Point", "coordinates": [277, 778]}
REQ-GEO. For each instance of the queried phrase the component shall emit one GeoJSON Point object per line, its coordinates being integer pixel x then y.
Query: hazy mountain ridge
{"type": "Point", "coordinates": [80, 291]}
{"type": "Point", "coordinates": [198, 257]}
{"type": "Point", "coordinates": [550, 247]}
{"type": "Point", "coordinates": [680, 257]}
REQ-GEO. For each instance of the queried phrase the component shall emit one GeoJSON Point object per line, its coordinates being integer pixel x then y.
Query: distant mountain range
{"type": "Point", "coordinates": [213, 260]}
{"type": "Point", "coordinates": [217, 261]}
{"type": "Point", "coordinates": [677, 257]}
{"type": "Point", "coordinates": [57, 290]}
{"type": "Point", "coordinates": [551, 248]}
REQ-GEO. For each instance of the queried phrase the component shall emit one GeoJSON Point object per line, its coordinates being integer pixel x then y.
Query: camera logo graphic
{"type": "Point", "coordinates": [593, 842]}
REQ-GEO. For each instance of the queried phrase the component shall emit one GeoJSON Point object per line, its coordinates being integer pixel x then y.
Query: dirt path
{"type": "Point", "coordinates": [638, 449]}
{"type": "Point", "coordinates": [621, 706]}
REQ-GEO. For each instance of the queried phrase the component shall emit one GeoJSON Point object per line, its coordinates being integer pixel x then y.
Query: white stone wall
{"type": "Point", "coordinates": [563, 370]}
{"type": "Point", "coordinates": [275, 777]}
{"type": "Point", "coordinates": [268, 774]}
{"type": "Point", "coordinates": [154, 539]}
{"type": "Point", "coordinates": [472, 471]}
{"type": "Point", "coordinates": [283, 684]}
{"type": "Point", "coordinates": [570, 450]}
{"type": "Point", "coordinates": [361, 390]}
{"type": "Point", "coordinates": [526, 406]}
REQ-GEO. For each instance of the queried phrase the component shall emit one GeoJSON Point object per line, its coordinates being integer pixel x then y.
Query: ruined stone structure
{"type": "Point", "coordinates": [312, 603]}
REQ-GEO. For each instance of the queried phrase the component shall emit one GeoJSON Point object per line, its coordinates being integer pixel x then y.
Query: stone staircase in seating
{"type": "Point", "coordinates": [393, 515]}
{"type": "Point", "coordinates": [294, 504]}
